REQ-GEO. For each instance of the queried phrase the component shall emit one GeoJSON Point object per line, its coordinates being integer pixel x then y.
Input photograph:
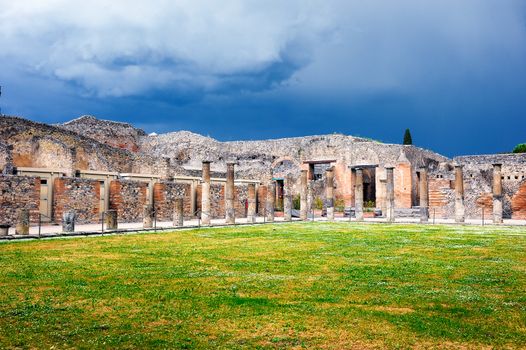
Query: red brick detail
{"type": "Point", "coordinates": [403, 185]}
{"type": "Point", "coordinates": [518, 203]}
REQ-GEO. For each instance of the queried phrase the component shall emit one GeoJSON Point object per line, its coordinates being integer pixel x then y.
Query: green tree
{"type": "Point", "coordinates": [520, 148]}
{"type": "Point", "coordinates": [408, 140]}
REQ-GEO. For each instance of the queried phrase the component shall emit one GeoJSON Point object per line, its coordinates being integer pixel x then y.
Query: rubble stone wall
{"type": "Point", "coordinates": [128, 197]}
{"type": "Point", "coordinates": [164, 196]}
{"type": "Point", "coordinates": [18, 192]}
{"type": "Point", "coordinates": [78, 194]}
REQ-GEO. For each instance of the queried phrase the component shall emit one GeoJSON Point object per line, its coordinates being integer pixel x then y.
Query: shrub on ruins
{"type": "Point", "coordinates": [408, 140]}
{"type": "Point", "coordinates": [339, 205]}
{"type": "Point", "coordinates": [296, 202]}
{"type": "Point", "coordinates": [520, 148]}
{"type": "Point", "coordinates": [318, 203]}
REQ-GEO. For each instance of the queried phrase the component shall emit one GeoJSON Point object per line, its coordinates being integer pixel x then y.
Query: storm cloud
{"type": "Point", "coordinates": [193, 63]}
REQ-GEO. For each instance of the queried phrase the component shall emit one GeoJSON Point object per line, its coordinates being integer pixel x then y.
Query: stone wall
{"type": "Point", "coordinates": [165, 193]}
{"type": "Point", "coordinates": [6, 159]}
{"type": "Point", "coordinates": [128, 198]}
{"type": "Point", "coordinates": [18, 192]}
{"type": "Point", "coordinates": [78, 194]}
{"type": "Point", "coordinates": [41, 145]}
{"type": "Point", "coordinates": [217, 199]}
{"type": "Point", "coordinates": [241, 200]}
{"type": "Point", "coordinates": [115, 134]}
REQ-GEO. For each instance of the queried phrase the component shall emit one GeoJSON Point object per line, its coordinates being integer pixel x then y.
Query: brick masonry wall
{"type": "Point", "coordinates": [128, 198]}
{"type": "Point", "coordinates": [403, 185]}
{"type": "Point", "coordinates": [518, 203]}
{"type": "Point", "coordinates": [18, 192]}
{"type": "Point", "coordinates": [164, 195]}
{"type": "Point", "coordinates": [441, 198]}
{"type": "Point", "coordinates": [81, 195]}
{"type": "Point", "coordinates": [261, 199]}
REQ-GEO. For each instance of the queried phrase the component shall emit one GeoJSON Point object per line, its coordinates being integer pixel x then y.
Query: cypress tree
{"type": "Point", "coordinates": [408, 140]}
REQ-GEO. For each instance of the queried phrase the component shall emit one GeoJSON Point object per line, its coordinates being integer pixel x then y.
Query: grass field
{"type": "Point", "coordinates": [310, 285]}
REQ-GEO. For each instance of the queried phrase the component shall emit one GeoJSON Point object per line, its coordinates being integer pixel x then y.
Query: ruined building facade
{"type": "Point", "coordinates": [91, 165]}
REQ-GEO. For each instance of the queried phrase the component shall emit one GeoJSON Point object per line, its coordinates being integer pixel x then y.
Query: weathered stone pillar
{"type": "Point", "coordinates": [310, 199]}
{"type": "Point", "coordinates": [390, 197]}
{"type": "Point", "coordinates": [358, 195]}
{"type": "Point", "coordinates": [271, 197]}
{"type": "Point", "coordinates": [22, 222]}
{"type": "Point", "coordinates": [147, 216]}
{"type": "Point", "coordinates": [424, 196]}
{"type": "Point", "coordinates": [205, 194]}
{"type": "Point", "coordinates": [497, 193]}
{"type": "Point", "coordinates": [230, 212]}
{"type": "Point", "coordinates": [303, 195]}
{"type": "Point", "coordinates": [178, 217]}
{"type": "Point", "coordinates": [460, 210]}
{"type": "Point", "coordinates": [4, 229]}
{"type": "Point", "coordinates": [111, 220]}
{"type": "Point", "coordinates": [287, 198]}
{"type": "Point", "coordinates": [68, 221]}
{"type": "Point", "coordinates": [329, 193]}
{"type": "Point", "coordinates": [251, 210]}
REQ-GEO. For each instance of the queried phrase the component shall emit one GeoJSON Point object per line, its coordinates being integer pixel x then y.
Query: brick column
{"type": "Point", "coordinates": [303, 195]}
{"type": "Point", "coordinates": [111, 220]}
{"type": "Point", "coordinates": [460, 210]}
{"type": "Point", "coordinates": [424, 196]}
{"type": "Point", "coordinates": [251, 210]}
{"type": "Point", "coordinates": [497, 193]}
{"type": "Point", "coordinates": [22, 222]}
{"type": "Point", "coordinates": [178, 212]}
{"type": "Point", "coordinates": [329, 193]}
{"type": "Point", "coordinates": [358, 195]}
{"type": "Point", "coordinates": [147, 216]}
{"type": "Point", "coordinates": [390, 197]}
{"type": "Point", "coordinates": [287, 198]}
{"type": "Point", "coordinates": [205, 194]}
{"type": "Point", "coordinates": [271, 197]}
{"type": "Point", "coordinates": [230, 213]}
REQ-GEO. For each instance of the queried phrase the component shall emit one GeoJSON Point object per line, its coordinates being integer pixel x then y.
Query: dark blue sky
{"type": "Point", "coordinates": [454, 72]}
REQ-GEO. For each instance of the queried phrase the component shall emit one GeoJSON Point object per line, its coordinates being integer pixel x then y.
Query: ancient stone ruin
{"type": "Point", "coordinates": [93, 166]}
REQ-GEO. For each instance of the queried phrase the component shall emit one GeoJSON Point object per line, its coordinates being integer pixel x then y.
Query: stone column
{"type": "Point", "coordinates": [287, 198]}
{"type": "Point", "coordinates": [68, 221]}
{"type": "Point", "coordinates": [22, 222]}
{"type": "Point", "coordinates": [205, 194]}
{"type": "Point", "coordinates": [111, 220]}
{"type": "Point", "coordinates": [251, 210]}
{"type": "Point", "coordinates": [390, 197]}
{"type": "Point", "coordinates": [147, 216]}
{"type": "Point", "coordinates": [497, 193]}
{"type": "Point", "coordinates": [310, 199]}
{"type": "Point", "coordinates": [303, 195]}
{"type": "Point", "coordinates": [424, 196]}
{"type": "Point", "coordinates": [178, 217]}
{"type": "Point", "coordinates": [358, 195]}
{"type": "Point", "coordinates": [230, 212]}
{"type": "Point", "coordinates": [329, 193]}
{"type": "Point", "coordinates": [271, 197]}
{"type": "Point", "coordinates": [460, 211]}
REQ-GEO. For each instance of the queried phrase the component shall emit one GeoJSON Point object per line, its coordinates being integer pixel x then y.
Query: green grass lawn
{"type": "Point", "coordinates": [301, 285]}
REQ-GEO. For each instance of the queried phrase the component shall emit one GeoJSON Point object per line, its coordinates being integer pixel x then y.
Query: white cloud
{"type": "Point", "coordinates": [123, 47]}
